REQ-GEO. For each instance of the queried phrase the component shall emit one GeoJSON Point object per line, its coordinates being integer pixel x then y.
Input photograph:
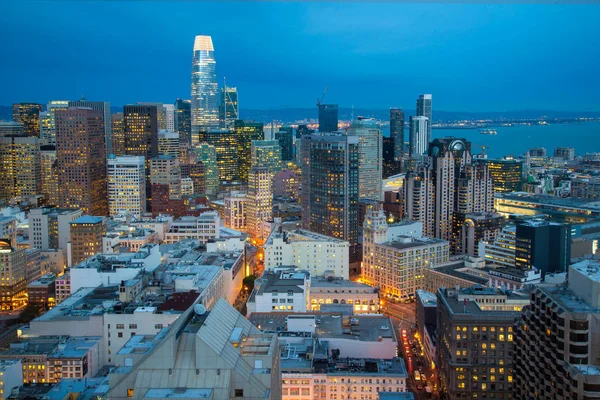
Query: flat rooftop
{"type": "Point", "coordinates": [336, 283]}
{"type": "Point", "coordinates": [452, 269]}
{"type": "Point", "coordinates": [75, 347]}
{"type": "Point", "coordinates": [407, 242]}
{"type": "Point", "coordinates": [549, 200]}
{"type": "Point", "coordinates": [179, 393]}
{"type": "Point", "coordinates": [142, 344]}
{"type": "Point", "coordinates": [87, 219]}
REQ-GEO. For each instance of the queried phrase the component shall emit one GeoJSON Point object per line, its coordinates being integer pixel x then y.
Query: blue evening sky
{"type": "Point", "coordinates": [480, 57]}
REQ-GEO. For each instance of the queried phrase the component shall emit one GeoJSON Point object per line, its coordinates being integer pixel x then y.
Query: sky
{"type": "Point", "coordinates": [471, 57]}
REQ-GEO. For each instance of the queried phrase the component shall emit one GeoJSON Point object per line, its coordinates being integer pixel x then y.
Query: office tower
{"type": "Point", "coordinates": [20, 169]}
{"type": "Point", "coordinates": [86, 238]}
{"type": "Point", "coordinates": [585, 187]}
{"type": "Point", "coordinates": [566, 153]}
{"type": "Point", "coordinates": [381, 256]}
{"type": "Point", "coordinates": [538, 152]}
{"type": "Point", "coordinates": [81, 160]}
{"type": "Point", "coordinates": [475, 190]}
{"type": "Point", "coordinates": [170, 116]}
{"type": "Point", "coordinates": [165, 170]}
{"type": "Point", "coordinates": [328, 118]}
{"type": "Point", "coordinates": [543, 245]}
{"type": "Point", "coordinates": [207, 155]}
{"type": "Point", "coordinates": [118, 134]}
{"type": "Point", "coordinates": [28, 115]}
{"type": "Point", "coordinates": [204, 88]}
{"type": "Point", "coordinates": [168, 143]}
{"type": "Point", "coordinates": [183, 120]}
{"type": "Point", "coordinates": [501, 251]}
{"type": "Point", "coordinates": [13, 286]}
{"type": "Point", "coordinates": [285, 137]}
{"type": "Point", "coordinates": [397, 132]}
{"type": "Point", "coordinates": [506, 174]}
{"type": "Point", "coordinates": [286, 183]}
{"type": "Point", "coordinates": [330, 187]}
{"type": "Point", "coordinates": [228, 107]}
{"type": "Point", "coordinates": [126, 185]}
{"type": "Point", "coordinates": [556, 356]}
{"type": "Point", "coordinates": [226, 146]}
{"type": "Point", "coordinates": [419, 199]}
{"type": "Point", "coordinates": [11, 128]}
{"type": "Point", "coordinates": [470, 229]}
{"type": "Point", "coordinates": [267, 154]}
{"type": "Point", "coordinates": [140, 125]}
{"type": "Point", "coordinates": [187, 186]}
{"type": "Point", "coordinates": [48, 121]}
{"type": "Point", "coordinates": [104, 107]}
{"type": "Point", "coordinates": [246, 132]}
{"type": "Point", "coordinates": [49, 174]}
{"type": "Point", "coordinates": [259, 204]}
{"type": "Point", "coordinates": [419, 137]}
{"type": "Point", "coordinates": [49, 227]}
{"type": "Point", "coordinates": [235, 211]}
{"type": "Point", "coordinates": [303, 130]}
{"type": "Point", "coordinates": [424, 110]}
{"type": "Point", "coordinates": [164, 114]}
{"type": "Point", "coordinates": [370, 157]}
{"type": "Point", "coordinates": [476, 341]}
{"type": "Point", "coordinates": [390, 165]}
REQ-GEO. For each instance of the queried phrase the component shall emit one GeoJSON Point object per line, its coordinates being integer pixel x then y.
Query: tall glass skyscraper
{"type": "Point", "coordinates": [228, 107]}
{"type": "Point", "coordinates": [205, 89]}
{"type": "Point", "coordinates": [328, 117]}
{"type": "Point", "coordinates": [397, 132]}
{"type": "Point", "coordinates": [424, 110]}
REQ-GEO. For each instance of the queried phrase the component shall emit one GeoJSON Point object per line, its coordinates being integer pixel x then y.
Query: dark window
{"type": "Point", "coordinates": [239, 392]}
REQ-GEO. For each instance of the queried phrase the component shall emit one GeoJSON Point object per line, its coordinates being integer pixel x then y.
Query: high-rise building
{"type": "Point", "coordinates": [330, 186]}
{"type": "Point", "coordinates": [81, 160]}
{"type": "Point", "coordinates": [476, 341]}
{"type": "Point", "coordinates": [140, 125]}
{"type": "Point", "coordinates": [285, 136]}
{"type": "Point", "coordinates": [170, 116]}
{"type": "Point", "coordinates": [543, 245]}
{"type": "Point", "coordinates": [183, 120]}
{"type": "Point", "coordinates": [168, 143]}
{"type": "Point", "coordinates": [419, 137]}
{"type": "Point", "coordinates": [104, 107]}
{"type": "Point", "coordinates": [28, 115]}
{"type": "Point", "coordinates": [246, 132]}
{"type": "Point", "coordinates": [165, 170]}
{"type": "Point", "coordinates": [328, 118]}
{"type": "Point", "coordinates": [165, 114]}
{"type": "Point", "coordinates": [126, 185]}
{"type": "Point", "coordinates": [48, 121]}
{"type": "Point", "coordinates": [370, 157]}
{"type": "Point", "coordinates": [235, 211]}
{"type": "Point", "coordinates": [86, 238]}
{"type": "Point", "coordinates": [13, 286]}
{"type": "Point", "coordinates": [397, 132]}
{"type": "Point", "coordinates": [390, 165]}
{"type": "Point", "coordinates": [49, 227]}
{"type": "Point", "coordinates": [204, 88]}
{"type": "Point", "coordinates": [419, 199]}
{"type": "Point", "coordinates": [501, 251]}
{"type": "Point", "coordinates": [226, 146]}
{"type": "Point", "coordinates": [537, 152]}
{"type": "Point", "coordinates": [259, 203]}
{"type": "Point", "coordinates": [506, 174]}
{"type": "Point", "coordinates": [207, 155]}
{"type": "Point", "coordinates": [267, 154]}
{"type": "Point", "coordinates": [118, 134]}
{"type": "Point", "coordinates": [49, 174]}
{"type": "Point", "coordinates": [20, 169]}
{"type": "Point", "coordinates": [424, 110]}
{"type": "Point", "coordinates": [556, 356]}
{"type": "Point", "coordinates": [287, 183]}
{"type": "Point", "coordinates": [228, 107]}
{"type": "Point", "coordinates": [566, 153]}
{"type": "Point", "coordinates": [586, 187]}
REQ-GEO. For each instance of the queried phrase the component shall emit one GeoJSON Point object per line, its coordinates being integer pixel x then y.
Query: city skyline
{"type": "Point", "coordinates": [464, 54]}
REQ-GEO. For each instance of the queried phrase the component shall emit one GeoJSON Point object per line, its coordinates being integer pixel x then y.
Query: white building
{"type": "Point", "coordinates": [170, 116]}
{"type": "Point", "coordinates": [279, 291]}
{"type": "Point", "coordinates": [8, 229]}
{"type": "Point", "coordinates": [11, 376]}
{"type": "Point", "coordinates": [397, 266]}
{"type": "Point", "coordinates": [204, 227]}
{"type": "Point", "coordinates": [111, 269]}
{"type": "Point", "coordinates": [235, 211]}
{"type": "Point", "coordinates": [126, 185]}
{"type": "Point", "coordinates": [168, 143]}
{"type": "Point", "coordinates": [419, 139]}
{"type": "Point", "coordinates": [363, 298]}
{"type": "Point", "coordinates": [306, 250]}
{"type": "Point", "coordinates": [187, 186]}
{"type": "Point", "coordinates": [160, 225]}
{"type": "Point", "coordinates": [370, 156]}
{"type": "Point", "coordinates": [502, 250]}
{"type": "Point", "coordinates": [49, 228]}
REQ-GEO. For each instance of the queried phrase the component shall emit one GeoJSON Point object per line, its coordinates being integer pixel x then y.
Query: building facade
{"type": "Point", "coordinates": [259, 205]}
{"type": "Point", "coordinates": [126, 185]}
{"type": "Point", "coordinates": [86, 237]}
{"type": "Point", "coordinates": [204, 87]}
{"type": "Point", "coordinates": [20, 168]}
{"type": "Point", "coordinates": [328, 118]}
{"type": "Point", "coordinates": [370, 157]}
{"type": "Point", "coordinates": [28, 115]}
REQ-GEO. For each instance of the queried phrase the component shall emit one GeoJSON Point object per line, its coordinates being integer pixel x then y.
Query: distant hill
{"type": "Point", "coordinates": [298, 114]}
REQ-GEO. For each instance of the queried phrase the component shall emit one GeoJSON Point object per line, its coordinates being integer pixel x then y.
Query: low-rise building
{"type": "Point", "coordinates": [62, 286]}
{"type": "Point", "coordinates": [86, 238]}
{"type": "Point", "coordinates": [11, 376]}
{"type": "Point", "coordinates": [363, 298]}
{"type": "Point", "coordinates": [204, 227]}
{"type": "Point", "coordinates": [42, 292]}
{"type": "Point", "coordinates": [279, 291]}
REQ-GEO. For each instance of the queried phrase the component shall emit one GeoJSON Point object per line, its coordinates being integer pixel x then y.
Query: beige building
{"type": "Point", "coordinates": [86, 238]}
{"type": "Point", "coordinates": [259, 204]}
{"type": "Point", "coordinates": [217, 355]}
{"type": "Point", "coordinates": [397, 266]}
{"type": "Point", "coordinates": [235, 211]}
{"type": "Point", "coordinates": [13, 286]}
{"type": "Point", "coordinates": [363, 298]}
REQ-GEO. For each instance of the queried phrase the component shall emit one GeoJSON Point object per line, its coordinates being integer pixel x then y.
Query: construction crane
{"type": "Point", "coordinates": [483, 149]}
{"type": "Point", "coordinates": [320, 101]}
